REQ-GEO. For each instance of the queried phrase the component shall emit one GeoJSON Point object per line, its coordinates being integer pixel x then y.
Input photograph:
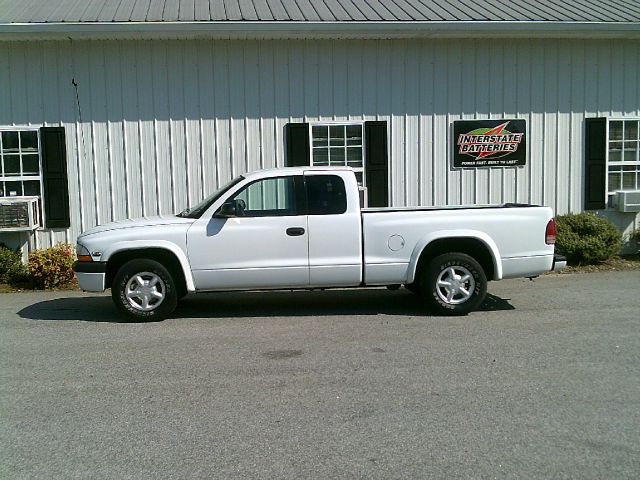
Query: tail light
{"type": "Point", "coordinates": [550, 234]}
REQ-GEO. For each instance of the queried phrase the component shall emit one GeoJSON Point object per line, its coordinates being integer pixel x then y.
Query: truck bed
{"type": "Point", "coordinates": [392, 235]}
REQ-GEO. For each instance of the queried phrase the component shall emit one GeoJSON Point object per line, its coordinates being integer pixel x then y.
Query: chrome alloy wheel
{"type": "Point", "coordinates": [455, 285]}
{"type": "Point", "coordinates": [145, 291]}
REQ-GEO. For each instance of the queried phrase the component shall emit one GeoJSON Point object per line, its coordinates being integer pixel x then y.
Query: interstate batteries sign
{"type": "Point", "coordinates": [489, 143]}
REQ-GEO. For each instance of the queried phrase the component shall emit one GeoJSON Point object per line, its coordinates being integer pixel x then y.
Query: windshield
{"type": "Point", "coordinates": [199, 209]}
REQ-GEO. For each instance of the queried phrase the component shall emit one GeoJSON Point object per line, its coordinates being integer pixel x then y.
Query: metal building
{"type": "Point", "coordinates": [121, 108]}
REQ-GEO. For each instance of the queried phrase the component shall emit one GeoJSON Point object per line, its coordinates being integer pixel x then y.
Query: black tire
{"type": "Point", "coordinates": [453, 284]}
{"type": "Point", "coordinates": [157, 282]}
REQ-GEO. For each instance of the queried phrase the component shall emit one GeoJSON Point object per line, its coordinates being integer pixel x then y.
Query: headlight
{"type": "Point", "coordinates": [83, 254]}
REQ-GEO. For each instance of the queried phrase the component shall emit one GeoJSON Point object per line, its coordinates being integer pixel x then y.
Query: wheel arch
{"type": "Point", "coordinates": [172, 257]}
{"type": "Point", "coordinates": [475, 244]}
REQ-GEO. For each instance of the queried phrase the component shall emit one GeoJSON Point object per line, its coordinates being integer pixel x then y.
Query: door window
{"type": "Point", "coordinates": [270, 197]}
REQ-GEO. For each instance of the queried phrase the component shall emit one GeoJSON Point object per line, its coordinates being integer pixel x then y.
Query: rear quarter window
{"type": "Point", "coordinates": [326, 195]}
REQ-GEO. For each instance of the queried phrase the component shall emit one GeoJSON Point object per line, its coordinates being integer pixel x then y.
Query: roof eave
{"type": "Point", "coordinates": [288, 29]}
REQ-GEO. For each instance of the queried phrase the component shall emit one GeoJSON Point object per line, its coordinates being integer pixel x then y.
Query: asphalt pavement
{"type": "Point", "coordinates": [544, 382]}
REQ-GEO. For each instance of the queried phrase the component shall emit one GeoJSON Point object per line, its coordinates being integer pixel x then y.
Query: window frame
{"type": "Point", "coordinates": [358, 170]}
{"type": "Point", "coordinates": [22, 178]}
{"type": "Point", "coordinates": [620, 163]}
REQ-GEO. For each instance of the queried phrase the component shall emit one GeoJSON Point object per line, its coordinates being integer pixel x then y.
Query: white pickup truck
{"type": "Point", "coordinates": [303, 228]}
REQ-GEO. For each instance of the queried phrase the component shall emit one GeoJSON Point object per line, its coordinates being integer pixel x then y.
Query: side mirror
{"type": "Point", "coordinates": [227, 210]}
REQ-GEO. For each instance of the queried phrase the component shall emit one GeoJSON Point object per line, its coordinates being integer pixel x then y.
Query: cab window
{"type": "Point", "coordinates": [326, 195]}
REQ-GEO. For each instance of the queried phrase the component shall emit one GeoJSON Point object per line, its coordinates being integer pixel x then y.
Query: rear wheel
{"type": "Point", "coordinates": [454, 284]}
{"type": "Point", "coordinates": [144, 290]}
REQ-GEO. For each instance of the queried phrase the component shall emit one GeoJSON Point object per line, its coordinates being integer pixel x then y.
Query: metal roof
{"type": "Point", "coordinates": [105, 11]}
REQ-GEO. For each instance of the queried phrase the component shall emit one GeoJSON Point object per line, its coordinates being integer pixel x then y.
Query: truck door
{"type": "Point", "coordinates": [335, 241]}
{"type": "Point", "coordinates": [265, 245]}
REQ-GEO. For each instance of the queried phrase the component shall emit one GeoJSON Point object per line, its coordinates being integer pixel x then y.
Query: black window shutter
{"type": "Point", "coordinates": [595, 163]}
{"type": "Point", "coordinates": [55, 196]}
{"type": "Point", "coordinates": [377, 163]}
{"type": "Point", "coordinates": [297, 142]}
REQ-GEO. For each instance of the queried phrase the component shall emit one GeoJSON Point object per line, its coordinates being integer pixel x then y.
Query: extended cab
{"type": "Point", "coordinates": [301, 228]}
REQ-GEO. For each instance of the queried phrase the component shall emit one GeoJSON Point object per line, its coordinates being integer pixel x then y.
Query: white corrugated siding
{"type": "Point", "coordinates": [156, 125]}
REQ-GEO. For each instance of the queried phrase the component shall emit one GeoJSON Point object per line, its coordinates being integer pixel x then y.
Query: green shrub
{"type": "Point", "coordinates": [586, 238]}
{"type": "Point", "coordinates": [12, 270]}
{"type": "Point", "coordinates": [52, 267]}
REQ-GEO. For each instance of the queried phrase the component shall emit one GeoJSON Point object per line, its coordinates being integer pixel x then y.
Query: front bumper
{"type": "Point", "coordinates": [559, 262]}
{"type": "Point", "coordinates": [91, 275]}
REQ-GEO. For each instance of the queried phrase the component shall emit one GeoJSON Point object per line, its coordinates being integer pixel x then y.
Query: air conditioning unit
{"type": "Point", "coordinates": [19, 214]}
{"type": "Point", "coordinates": [627, 201]}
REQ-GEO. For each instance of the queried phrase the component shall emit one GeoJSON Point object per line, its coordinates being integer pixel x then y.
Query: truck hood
{"type": "Point", "coordinates": [139, 222]}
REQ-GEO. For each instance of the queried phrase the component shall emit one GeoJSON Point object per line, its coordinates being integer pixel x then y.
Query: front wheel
{"type": "Point", "coordinates": [454, 284]}
{"type": "Point", "coordinates": [144, 290]}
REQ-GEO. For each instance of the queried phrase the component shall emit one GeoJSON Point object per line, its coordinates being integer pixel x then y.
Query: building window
{"type": "Point", "coordinates": [360, 145]}
{"type": "Point", "coordinates": [623, 155]}
{"type": "Point", "coordinates": [20, 172]}
{"type": "Point", "coordinates": [338, 145]}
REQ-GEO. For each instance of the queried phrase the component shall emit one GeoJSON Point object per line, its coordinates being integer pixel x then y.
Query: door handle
{"type": "Point", "coordinates": [295, 231]}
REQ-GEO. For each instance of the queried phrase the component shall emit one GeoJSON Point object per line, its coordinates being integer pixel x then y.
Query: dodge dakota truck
{"type": "Point", "coordinates": [304, 228]}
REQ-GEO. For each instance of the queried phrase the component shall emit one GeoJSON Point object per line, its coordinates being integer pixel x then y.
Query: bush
{"type": "Point", "coordinates": [12, 270]}
{"type": "Point", "coordinates": [52, 267]}
{"type": "Point", "coordinates": [586, 238]}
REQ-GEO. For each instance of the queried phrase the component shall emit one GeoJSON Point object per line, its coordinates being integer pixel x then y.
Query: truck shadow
{"type": "Point", "coordinates": [253, 304]}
